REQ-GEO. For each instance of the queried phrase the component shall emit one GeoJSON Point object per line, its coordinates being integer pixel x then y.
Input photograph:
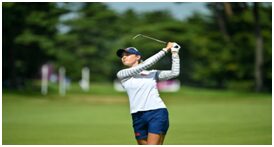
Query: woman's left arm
{"type": "Point", "coordinates": [174, 72]}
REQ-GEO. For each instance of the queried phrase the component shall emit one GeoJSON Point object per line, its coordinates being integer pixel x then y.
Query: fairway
{"type": "Point", "coordinates": [197, 116]}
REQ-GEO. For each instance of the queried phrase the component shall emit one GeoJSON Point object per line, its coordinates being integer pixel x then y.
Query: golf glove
{"type": "Point", "coordinates": [175, 48]}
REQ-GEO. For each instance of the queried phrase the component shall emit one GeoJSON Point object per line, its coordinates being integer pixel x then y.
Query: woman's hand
{"type": "Point", "coordinates": [168, 47]}
{"type": "Point", "coordinates": [175, 48]}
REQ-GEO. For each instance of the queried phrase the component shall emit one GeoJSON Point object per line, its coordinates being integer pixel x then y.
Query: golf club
{"type": "Point", "coordinates": [160, 41]}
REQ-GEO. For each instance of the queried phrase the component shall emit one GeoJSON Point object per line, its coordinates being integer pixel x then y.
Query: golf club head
{"type": "Point", "coordinates": [136, 36]}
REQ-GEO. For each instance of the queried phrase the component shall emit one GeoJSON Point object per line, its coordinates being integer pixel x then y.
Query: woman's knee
{"type": "Point", "coordinates": [154, 139]}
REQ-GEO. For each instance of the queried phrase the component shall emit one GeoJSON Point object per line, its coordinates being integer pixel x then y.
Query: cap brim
{"type": "Point", "coordinates": [119, 53]}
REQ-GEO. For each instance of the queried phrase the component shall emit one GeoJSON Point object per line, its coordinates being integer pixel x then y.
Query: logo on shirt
{"type": "Point", "coordinates": [144, 73]}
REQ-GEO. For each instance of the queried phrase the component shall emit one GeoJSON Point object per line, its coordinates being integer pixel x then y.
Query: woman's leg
{"type": "Point", "coordinates": [162, 139]}
{"type": "Point", "coordinates": [159, 124]}
{"type": "Point", "coordinates": [142, 142]}
{"type": "Point", "coordinates": [155, 139]}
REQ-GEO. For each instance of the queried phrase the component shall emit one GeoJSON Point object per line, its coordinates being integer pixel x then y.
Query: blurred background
{"type": "Point", "coordinates": [59, 64]}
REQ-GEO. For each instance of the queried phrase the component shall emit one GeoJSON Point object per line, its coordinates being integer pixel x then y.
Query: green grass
{"type": "Point", "coordinates": [101, 116]}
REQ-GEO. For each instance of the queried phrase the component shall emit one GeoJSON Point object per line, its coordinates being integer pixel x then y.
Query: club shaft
{"type": "Point", "coordinates": [154, 39]}
{"type": "Point", "coordinates": [160, 41]}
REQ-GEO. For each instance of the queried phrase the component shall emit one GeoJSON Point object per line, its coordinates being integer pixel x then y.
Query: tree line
{"type": "Point", "coordinates": [228, 48]}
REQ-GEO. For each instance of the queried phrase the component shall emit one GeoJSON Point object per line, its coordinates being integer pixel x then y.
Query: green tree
{"type": "Point", "coordinates": [29, 31]}
{"type": "Point", "coordinates": [225, 45]}
{"type": "Point", "coordinates": [218, 49]}
{"type": "Point", "coordinates": [89, 41]}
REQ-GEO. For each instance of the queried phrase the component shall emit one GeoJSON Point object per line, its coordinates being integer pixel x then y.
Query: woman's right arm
{"type": "Point", "coordinates": [129, 72]}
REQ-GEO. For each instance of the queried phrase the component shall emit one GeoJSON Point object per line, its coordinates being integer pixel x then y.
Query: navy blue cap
{"type": "Point", "coordinates": [131, 50]}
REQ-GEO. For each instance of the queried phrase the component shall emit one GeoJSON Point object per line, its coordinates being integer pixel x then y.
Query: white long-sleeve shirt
{"type": "Point", "coordinates": [141, 84]}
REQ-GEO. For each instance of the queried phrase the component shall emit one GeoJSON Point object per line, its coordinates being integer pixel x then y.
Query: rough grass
{"type": "Point", "coordinates": [101, 116]}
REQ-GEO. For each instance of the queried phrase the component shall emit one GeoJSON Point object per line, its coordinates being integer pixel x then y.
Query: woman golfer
{"type": "Point", "coordinates": [149, 113]}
